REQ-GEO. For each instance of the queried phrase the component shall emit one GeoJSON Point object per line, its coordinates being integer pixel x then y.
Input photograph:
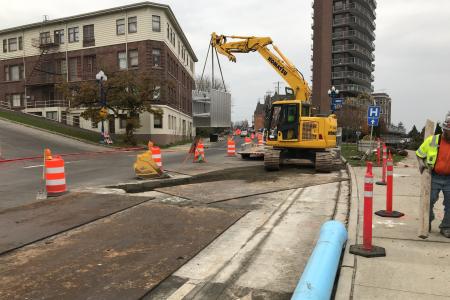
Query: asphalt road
{"type": "Point", "coordinates": [258, 252]}
{"type": "Point", "coordinates": [21, 180]}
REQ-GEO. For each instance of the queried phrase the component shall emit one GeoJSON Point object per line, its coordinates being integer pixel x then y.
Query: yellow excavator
{"type": "Point", "coordinates": [292, 133]}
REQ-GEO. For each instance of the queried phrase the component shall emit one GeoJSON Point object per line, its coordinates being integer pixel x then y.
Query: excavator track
{"type": "Point", "coordinates": [325, 162]}
{"type": "Point", "coordinates": [272, 160]}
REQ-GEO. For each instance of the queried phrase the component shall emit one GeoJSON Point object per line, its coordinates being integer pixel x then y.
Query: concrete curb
{"type": "Point", "coordinates": [344, 288]}
{"type": "Point", "coordinates": [151, 184]}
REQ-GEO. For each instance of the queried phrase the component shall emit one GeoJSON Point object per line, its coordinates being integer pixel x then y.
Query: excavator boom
{"type": "Point", "coordinates": [277, 60]}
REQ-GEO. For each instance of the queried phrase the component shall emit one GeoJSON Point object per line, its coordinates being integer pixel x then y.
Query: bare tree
{"type": "Point", "coordinates": [205, 84]}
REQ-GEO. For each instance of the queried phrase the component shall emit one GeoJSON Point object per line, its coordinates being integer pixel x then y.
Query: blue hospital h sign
{"type": "Point", "coordinates": [374, 112]}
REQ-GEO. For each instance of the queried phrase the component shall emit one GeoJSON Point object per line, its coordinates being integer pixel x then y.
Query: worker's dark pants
{"type": "Point", "coordinates": [440, 183]}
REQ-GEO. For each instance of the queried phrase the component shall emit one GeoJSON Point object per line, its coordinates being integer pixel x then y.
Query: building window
{"type": "Point", "coordinates": [172, 36]}
{"type": "Point", "coordinates": [5, 46]}
{"type": "Point", "coordinates": [89, 67]}
{"type": "Point", "coordinates": [44, 38]}
{"type": "Point", "coordinates": [61, 67]}
{"type": "Point", "coordinates": [52, 115]}
{"type": "Point", "coordinates": [20, 43]}
{"type": "Point", "coordinates": [59, 36]}
{"type": "Point", "coordinates": [74, 68]}
{"type": "Point", "coordinates": [88, 36]}
{"type": "Point", "coordinates": [122, 59]}
{"type": "Point", "coordinates": [74, 35]}
{"type": "Point", "coordinates": [156, 54]}
{"type": "Point", "coordinates": [132, 24]}
{"type": "Point", "coordinates": [76, 121]}
{"type": "Point", "coordinates": [157, 93]}
{"type": "Point", "coordinates": [12, 44]}
{"type": "Point", "coordinates": [133, 57]}
{"type": "Point", "coordinates": [158, 121]}
{"type": "Point", "coordinates": [156, 23]}
{"type": "Point", "coordinates": [122, 121]}
{"type": "Point", "coordinates": [168, 33]}
{"type": "Point", "coordinates": [63, 117]}
{"type": "Point", "coordinates": [14, 73]}
{"type": "Point", "coordinates": [16, 100]}
{"type": "Point", "coordinates": [120, 26]}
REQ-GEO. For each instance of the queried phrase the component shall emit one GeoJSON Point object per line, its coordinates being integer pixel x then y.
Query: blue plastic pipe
{"type": "Point", "coordinates": [318, 277]}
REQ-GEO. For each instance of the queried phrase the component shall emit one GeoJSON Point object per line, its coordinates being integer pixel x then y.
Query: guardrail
{"type": "Point", "coordinates": [46, 103]}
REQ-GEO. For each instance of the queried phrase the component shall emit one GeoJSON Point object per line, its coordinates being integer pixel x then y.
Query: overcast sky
{"type": "Point", "coordinates": [412, 55]}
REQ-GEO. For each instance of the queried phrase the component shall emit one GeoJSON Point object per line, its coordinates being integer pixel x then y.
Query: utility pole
{"type": "Point", "coordinates": [277, 84]}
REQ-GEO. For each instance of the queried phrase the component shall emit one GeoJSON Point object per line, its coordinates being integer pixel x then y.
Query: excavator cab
{"type": "Point", "coordinates": [284, 122]}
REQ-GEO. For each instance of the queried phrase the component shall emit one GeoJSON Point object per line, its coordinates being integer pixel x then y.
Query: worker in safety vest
{"type": "Point", "coordinates": [434, 155]}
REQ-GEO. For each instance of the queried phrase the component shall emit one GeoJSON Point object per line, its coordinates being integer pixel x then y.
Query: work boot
{"type": "Point", "coordinates": [445, 232]}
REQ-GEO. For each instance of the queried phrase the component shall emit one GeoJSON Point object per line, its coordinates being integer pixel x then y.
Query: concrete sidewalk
{"type": "Point", "coordinates": [413, 268]}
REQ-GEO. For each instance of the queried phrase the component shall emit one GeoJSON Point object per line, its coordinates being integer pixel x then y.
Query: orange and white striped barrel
{"type": "Point", "coordinates": [231, 148]}
{"type": "Point", "coordinates": [55, 178]}
{"type": "Point", "coordinates": [156, 156]}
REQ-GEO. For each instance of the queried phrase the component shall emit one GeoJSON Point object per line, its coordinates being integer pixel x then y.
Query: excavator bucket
{"type": "Point", "coordinates": [145, 166]}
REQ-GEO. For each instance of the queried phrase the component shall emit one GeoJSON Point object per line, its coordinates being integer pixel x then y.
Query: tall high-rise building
{"type": "Point", "coordinates": [343, 45]}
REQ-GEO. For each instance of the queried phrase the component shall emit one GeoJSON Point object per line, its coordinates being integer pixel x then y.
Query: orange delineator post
{"type": "Point", "coordinates": [252, 136]}
{"type": "Point", "coordinates": [389, 213]}
{"type": "Point", "coordinates": [383, 177]}
{"type": "Point", "coordinates": [378, 152]}
{"type": "Point", "coordinates": [231, 148]}
{"type": "Point", "coordinates": [55, 178]}
{"type": "Point", "coordinates": [367, 249]}
{"type": "Point", "coordinates": [368, 203]}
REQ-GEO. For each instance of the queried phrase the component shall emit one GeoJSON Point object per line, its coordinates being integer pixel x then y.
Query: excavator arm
{"type": "Point", "coordinates": [278, 61]}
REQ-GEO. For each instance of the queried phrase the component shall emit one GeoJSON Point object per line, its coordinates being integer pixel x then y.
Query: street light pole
{"type": "Point", "coordinates": [103, 111]}
{"type": "Point", "coordinates": [333, 93]}
{"type": "Point", "coordinates": [101, 102]}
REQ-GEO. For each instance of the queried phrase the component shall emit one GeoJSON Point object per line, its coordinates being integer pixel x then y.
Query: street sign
{"type": "Point", "coordinates": [103, 113]}
{"type": "Point", "coordinates": [373, 115]}
{"type": "Point", "coordinates": [337, 100]}
{"type": "Point", "coordinates": [372, 121]}
{"type": "Point", "coordinates": [373, 112]}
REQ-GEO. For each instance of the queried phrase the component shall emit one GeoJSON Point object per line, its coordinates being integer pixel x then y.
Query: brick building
{"type": "Point", "coordinates": [259, 117]}
{"type": "Point", "coordinates": [142, 37]}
